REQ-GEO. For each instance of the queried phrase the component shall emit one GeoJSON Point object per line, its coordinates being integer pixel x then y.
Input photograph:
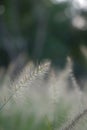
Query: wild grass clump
{"type": "Point", "coordinates": [41, 99]}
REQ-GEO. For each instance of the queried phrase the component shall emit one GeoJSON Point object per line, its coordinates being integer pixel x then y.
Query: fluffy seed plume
{"type": "Point", "coordinates": [27, 77]}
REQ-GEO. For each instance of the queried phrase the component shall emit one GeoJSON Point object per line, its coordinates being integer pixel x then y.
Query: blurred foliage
{"type": "Point", "coordinates": [28, 118]}
{"type": "Point", "coordinates": [42, 29]}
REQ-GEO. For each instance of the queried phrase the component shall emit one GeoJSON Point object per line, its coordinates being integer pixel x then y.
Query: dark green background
{"type": "Point", "coordinates": [42, 30]}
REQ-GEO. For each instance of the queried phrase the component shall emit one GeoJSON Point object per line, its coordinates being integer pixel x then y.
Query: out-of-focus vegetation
{"type": "Point", "coordinates": [40, 98]}
{"type": "Point", "coordinates": [44, 29]}
{"type": "Point", "coordinates": [35, 30]}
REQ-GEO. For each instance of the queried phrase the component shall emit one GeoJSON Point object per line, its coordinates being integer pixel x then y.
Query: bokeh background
{"type": "Point", "coordinates": [44, 29]}
{"type": "Point", "coordinates": [43, 64]}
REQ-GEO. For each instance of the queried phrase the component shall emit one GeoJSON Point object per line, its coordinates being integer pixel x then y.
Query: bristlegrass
{"type": "Point", "coordinates": [27, 76]}
{"type": "Point", "coordinates": [37, 115]}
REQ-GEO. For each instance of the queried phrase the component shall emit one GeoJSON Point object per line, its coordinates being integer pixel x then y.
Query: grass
{"type": "Point", "coordinates": [31, 117]}
{"type": "Point", "coordinates": [25, 105]}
